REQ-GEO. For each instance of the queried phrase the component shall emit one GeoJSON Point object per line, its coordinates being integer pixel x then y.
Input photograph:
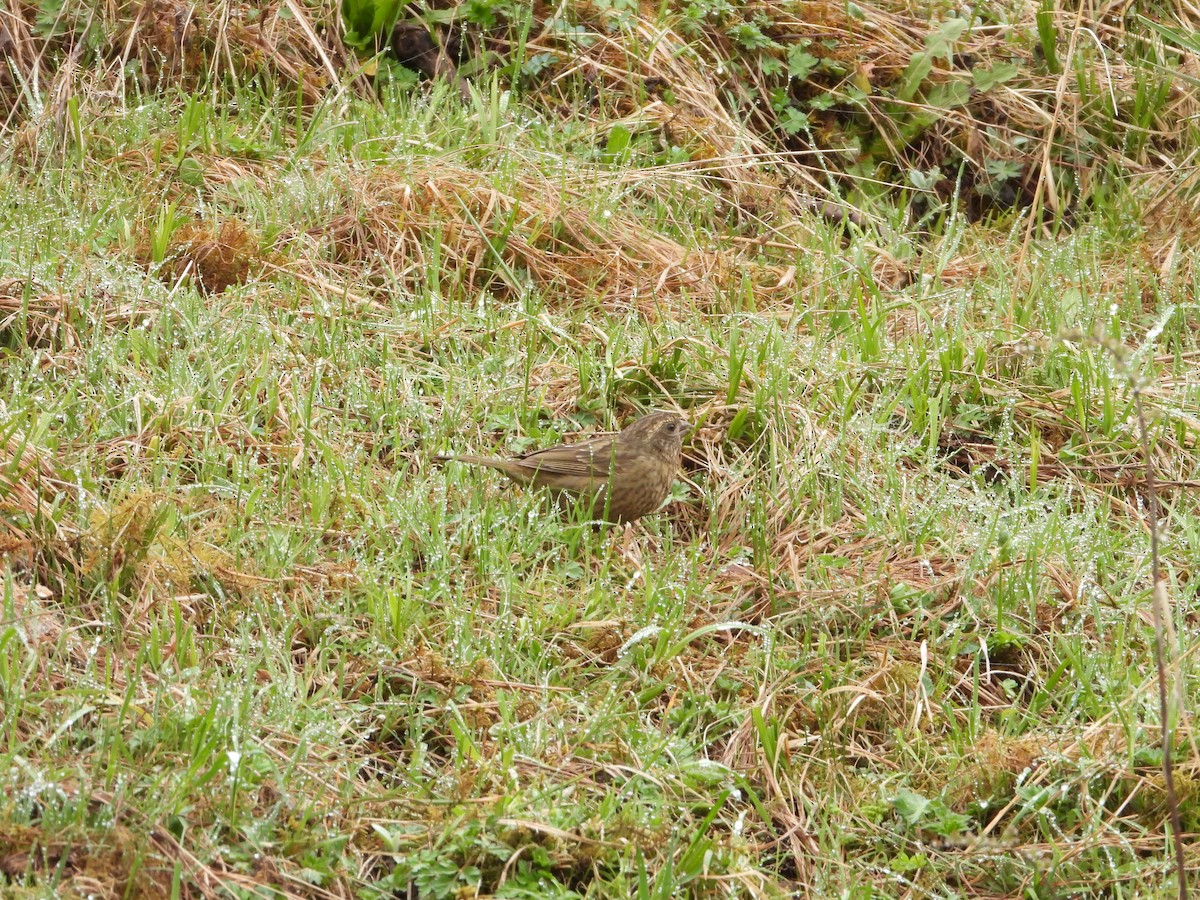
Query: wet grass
{"type": "Point", "coordinates": [890, 637]}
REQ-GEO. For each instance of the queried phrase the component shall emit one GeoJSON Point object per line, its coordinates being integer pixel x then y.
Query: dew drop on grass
{"type": "Point", "coordinates": [738, 825]}
{"type": "Point", "coordinates": [638, 636]}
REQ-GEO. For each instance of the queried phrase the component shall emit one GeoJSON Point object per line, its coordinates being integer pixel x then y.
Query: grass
{"type": "Point", "coordinates": [890, 637]}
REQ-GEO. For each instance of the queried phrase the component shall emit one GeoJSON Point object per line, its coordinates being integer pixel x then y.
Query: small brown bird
{"type": "Point", "coordinates": [623, 476]}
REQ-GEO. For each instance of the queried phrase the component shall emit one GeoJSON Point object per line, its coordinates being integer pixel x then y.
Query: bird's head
{"type": "Point", "coordinates": [662, 432]}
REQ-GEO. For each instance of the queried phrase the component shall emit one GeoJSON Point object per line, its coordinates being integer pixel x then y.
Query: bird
{"type": "Point", "coordinates": [622, 477]}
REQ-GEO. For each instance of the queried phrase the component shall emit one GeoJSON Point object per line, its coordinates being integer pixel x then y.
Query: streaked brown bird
{"type": "Point", "coordinates": [623, 476]}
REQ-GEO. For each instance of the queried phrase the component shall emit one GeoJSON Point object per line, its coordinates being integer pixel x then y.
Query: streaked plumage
{"type": "Point", "coordinates": [625, 475]}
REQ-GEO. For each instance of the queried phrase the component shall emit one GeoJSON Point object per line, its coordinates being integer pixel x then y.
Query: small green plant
{"type": "Point", "coordinates": [928, 814]}
{"type": "Point", "coordinates": [369, 23]}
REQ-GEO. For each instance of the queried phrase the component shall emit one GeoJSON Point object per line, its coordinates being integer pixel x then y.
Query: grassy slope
{"type": "Point", "coordinates": [893, 633]}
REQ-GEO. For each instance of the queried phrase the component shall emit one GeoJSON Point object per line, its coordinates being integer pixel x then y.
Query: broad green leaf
{"type": "Point", "coordinates": [800, 63]}
{"type": "Point", "coordinates": [910, 805]}
{"type": "Point", "coordinates": [986, 79]}
{"type": "Point", "coordinates": [941, 42]}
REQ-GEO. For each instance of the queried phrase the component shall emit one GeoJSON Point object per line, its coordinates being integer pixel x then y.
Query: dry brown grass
{"type": "Point", "coordinates": [46, 318]}
{"type": "Point", "coordinates": [701, 91]}
{"type": "Point", "coordinates": [28, 483]}
{"type": "Point", "coordinates": [217, 256]}
{"type": "Point", "coordinates": [535, 231]}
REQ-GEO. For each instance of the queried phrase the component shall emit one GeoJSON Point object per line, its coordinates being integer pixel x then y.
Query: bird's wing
{"type": "Point", "coordinates": [586, 459]}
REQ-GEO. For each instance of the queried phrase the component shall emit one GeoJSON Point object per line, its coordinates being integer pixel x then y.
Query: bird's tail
{"type": "Point", "coordinates": [489, 461]}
